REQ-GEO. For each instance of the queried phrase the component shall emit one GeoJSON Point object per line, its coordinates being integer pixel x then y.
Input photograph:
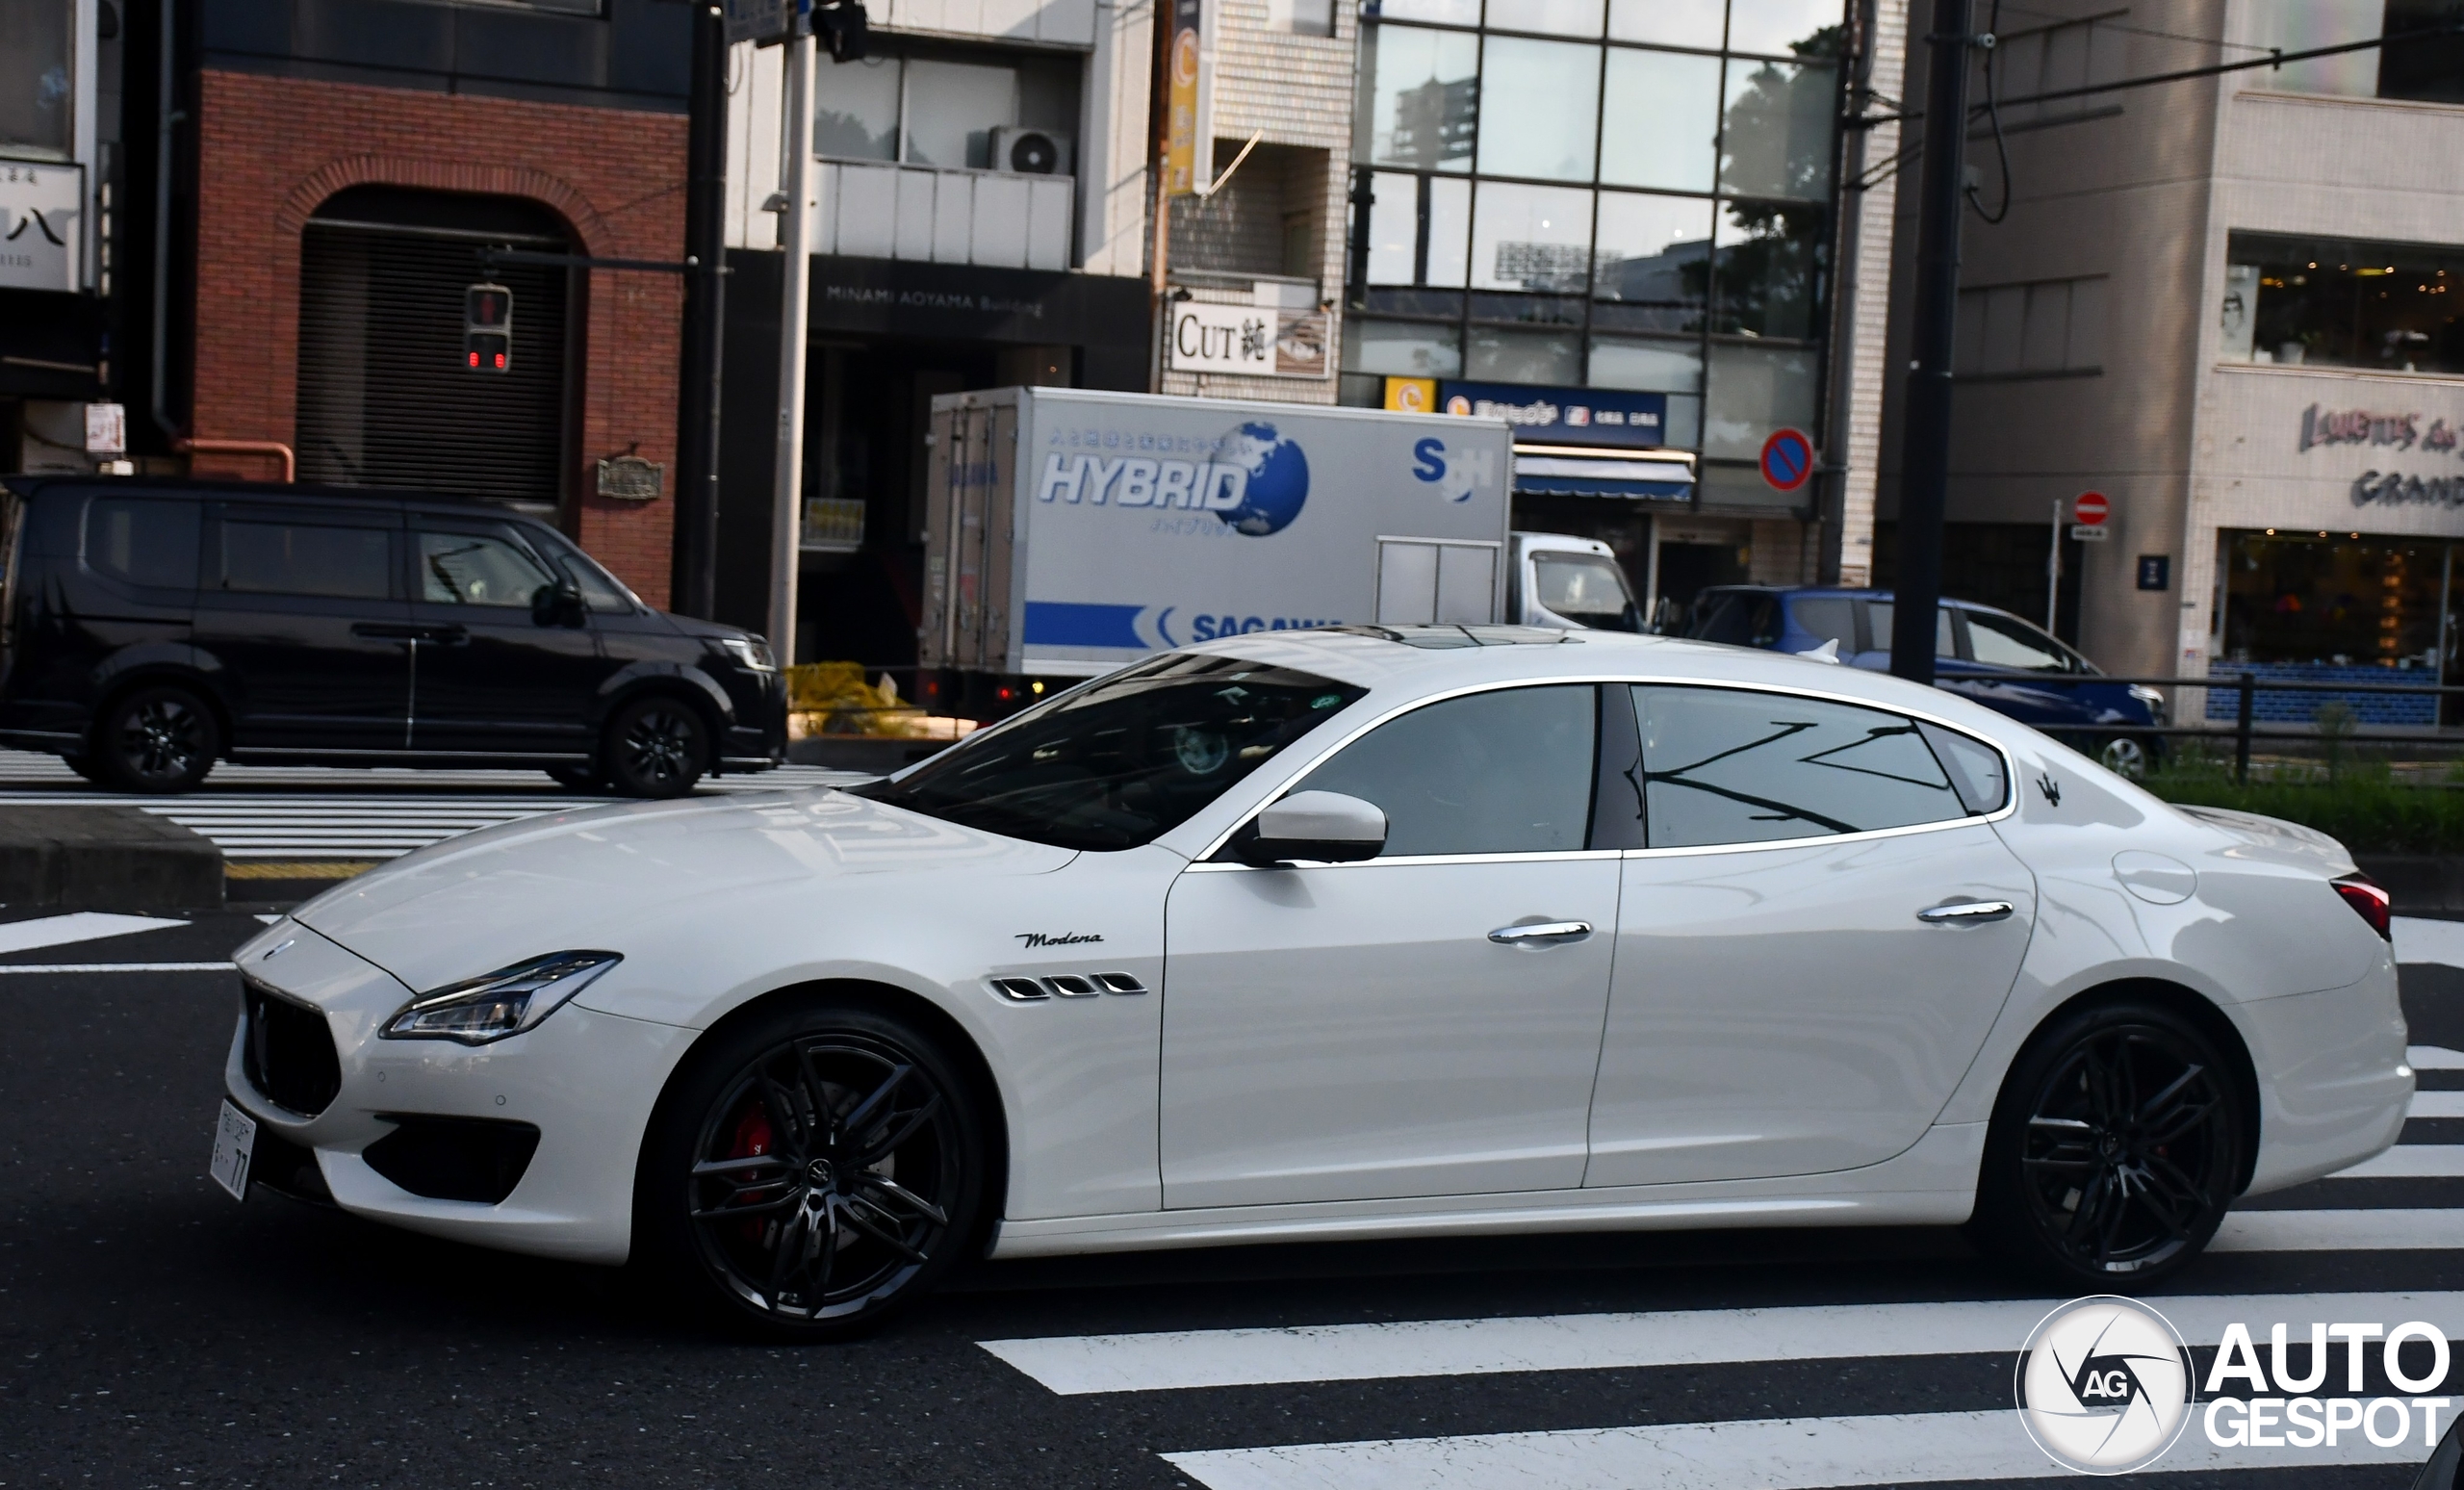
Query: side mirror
{"type": "Point", "coordinates": [556, 604]}
{"type": "Point", "coordinates": [1326, 826]}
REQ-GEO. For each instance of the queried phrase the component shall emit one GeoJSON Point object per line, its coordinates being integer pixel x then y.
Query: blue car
{"type": "Point", "coordinates": [1991, 655]}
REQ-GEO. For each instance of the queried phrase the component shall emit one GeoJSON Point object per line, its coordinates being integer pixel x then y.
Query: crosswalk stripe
{"type": "Point", "coordinates": [1078, 1365]}
{"type": "Point", "coordinates": [2419, 939]}
{"type": "Point", "coordinates": [55, 931]}
{"type": "Point", "coordinates": [2434, 1058]}
{"type": "Point", "coordinates": [2411, 1161]}
{"type": "Point", "coordinates": [1771, 1453]}
{"type": "Point", "coordinates": [2341, 1231]}
{"type": "Point", "coordinates": [2436, 1104]}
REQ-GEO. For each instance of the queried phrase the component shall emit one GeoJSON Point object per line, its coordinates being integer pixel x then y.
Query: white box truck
{"type": "Point", "coordinates": [1069, 531]}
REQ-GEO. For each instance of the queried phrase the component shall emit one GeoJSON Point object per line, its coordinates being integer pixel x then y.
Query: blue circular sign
{"type": "Point", "coordinates": [1279, 479]}
{"type": "Point", "coordinates": [1787, 460]}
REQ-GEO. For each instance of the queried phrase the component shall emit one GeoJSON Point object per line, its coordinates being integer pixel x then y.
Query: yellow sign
{"type": "Point", "coordinates": [1412, 395]}
{"type": "Point", "coordinates": [1180, 152]}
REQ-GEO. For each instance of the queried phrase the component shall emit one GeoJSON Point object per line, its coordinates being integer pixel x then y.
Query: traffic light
{"type": "Point", "coordinates": [487, 328]}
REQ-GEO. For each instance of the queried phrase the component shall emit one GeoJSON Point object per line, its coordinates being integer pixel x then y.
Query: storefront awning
{"type": "Point", "coordinates": [1561, 471]}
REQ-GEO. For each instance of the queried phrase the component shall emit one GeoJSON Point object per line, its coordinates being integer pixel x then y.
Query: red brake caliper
{"type": "Point", "coordinates": [753, 1137]}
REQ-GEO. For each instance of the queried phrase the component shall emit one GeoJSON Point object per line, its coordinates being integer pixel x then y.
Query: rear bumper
{"type": "Point", "coordinates": [2333, 1081]}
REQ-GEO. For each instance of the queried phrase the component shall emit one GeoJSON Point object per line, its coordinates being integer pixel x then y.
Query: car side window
{"type": "Point", "coordinates": [1878, 621]}
{"type": "Point", "coordinates": [139, 540]}
{"type": "Point", "coordinates": [278, 558]}
{"type": "Point", "coordinates": [476, 569]}
{"type": "Point", "coordinates": [2006, 643]}
{"type": "Point", "coordinates": [1729, 766]}
{"type": "Point", "coordinates": [1975, 768]}
{"type": "Point", "coordinates": [1503, 772]}
{"type": "Point", "coordinates": [1828, 618]}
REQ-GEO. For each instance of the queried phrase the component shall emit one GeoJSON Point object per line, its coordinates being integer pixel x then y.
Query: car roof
{"type": "Point", "coordinates": [204, 489]}
{"type": "Point", "coordinates": [1402, 662]}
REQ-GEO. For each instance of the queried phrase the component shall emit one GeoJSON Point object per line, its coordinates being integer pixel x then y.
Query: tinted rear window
{"type": "Point", "coordinates": [306, 558]}
{"type": "Point", "coordinates": [142, 540]}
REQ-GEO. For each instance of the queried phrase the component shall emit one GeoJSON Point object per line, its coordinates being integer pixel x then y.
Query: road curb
{"type": "Point", "coordinates": [105, 858]}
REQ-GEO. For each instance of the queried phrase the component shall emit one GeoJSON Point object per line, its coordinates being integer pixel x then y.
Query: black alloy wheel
{"type": "Point", "coordinates": [2116, 1149]}
{"type": "Point", "coordinates": [160, 738]}
{"type": "Point", "coordinates": [656, 747]}
{"type": "Point", "coordinates": [814, 1174]}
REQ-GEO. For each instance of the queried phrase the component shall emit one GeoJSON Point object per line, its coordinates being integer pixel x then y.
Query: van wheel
{"type": "Point", "coordinates": [155, 740]}
{"type": "Point", "coordinates": [2114, 1149]}
{"type": "Point", "coordinates": [656, 747]}
{"type": "Point", "coordinates": [811, 1171]}
{"type": "Point", "coordinates": [2124, 755]}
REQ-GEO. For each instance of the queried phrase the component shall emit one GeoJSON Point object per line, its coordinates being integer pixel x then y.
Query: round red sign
{"type": "Point", "coordinates": [2091, 509]}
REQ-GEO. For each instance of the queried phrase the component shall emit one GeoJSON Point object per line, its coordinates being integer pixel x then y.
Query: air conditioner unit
{"type": "Point", "coordinates": [1032, 152]}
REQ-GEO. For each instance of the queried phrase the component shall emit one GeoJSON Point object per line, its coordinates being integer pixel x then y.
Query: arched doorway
{"type": "Point", "coordinates": [385, 395]}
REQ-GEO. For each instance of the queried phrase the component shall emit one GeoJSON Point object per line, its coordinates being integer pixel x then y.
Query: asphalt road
{"type": "Point", "coordinates": [154, 1333]}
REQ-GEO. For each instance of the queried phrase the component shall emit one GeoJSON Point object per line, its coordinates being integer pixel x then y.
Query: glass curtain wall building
{"type": "Point", "coordinates": [1631, 194]}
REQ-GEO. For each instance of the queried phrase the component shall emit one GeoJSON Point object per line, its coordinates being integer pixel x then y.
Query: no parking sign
{"type": "Point", "coordinates": [1787, 460]}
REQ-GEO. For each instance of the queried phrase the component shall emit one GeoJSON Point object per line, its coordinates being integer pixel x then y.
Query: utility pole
{"type": "Point", "coordinates": [1917, 592]}
{"type": "Point", "coordinates": [697, 482]}
{"type": "Point", "coordinates": [795, 233]}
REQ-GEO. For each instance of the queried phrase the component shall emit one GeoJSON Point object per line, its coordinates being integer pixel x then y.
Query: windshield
{"type": "Point", "coordinates": [1588, 588]}
{"type": "Point", "coordinates": [1111, 765]}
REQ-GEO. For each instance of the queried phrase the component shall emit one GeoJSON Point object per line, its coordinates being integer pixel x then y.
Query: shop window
{"type": "Point", "coordinates": [36, 113]}
{"type": "Point", "coordinates": [855, 115]}
{"type": "Point", "coordinates": [1394, 228]}
{"type": "Point", "coordinates": [1497, 356]}
{"type": "Point", "coordinates": [1661, 121]}
{"type": "Point", "coordinates": [1770, 269]}
{"type": "Point", "coordinates": [2425, 70]}
{"type": "Point", "coordinates": [1423, 89]}
{"type": "Point", "coordinates": [941, 109]}
{"type": "Point", "coordinates": [1756, 390]}
{"type": "Point", "coordinates": [2052, 326]}
{"type": "Point", "coordinates": [2335, 601]}
{"type": "Point", "coordinates": [1539, 109]}
{"type": "Point", "coordinates": [1558, 17]}
{"type": "Point", "coordinates": [1531, 238]}
{"type": "Point", "coordinates": [1401, 349]}
{"type": "Point", "coordinates": [2343, 303]}
{"type": "Point", "coordinates": [1653, 261]}
{"type": "Point", "coordinates": [1776, 130]}
{"type": "Point", "coordinates": [1655, 365]}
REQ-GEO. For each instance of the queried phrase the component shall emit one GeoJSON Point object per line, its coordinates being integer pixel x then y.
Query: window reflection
{"type": "Point", "coordinates": [1667, 22]}
{"type": "Point", "coordinates": [1770, 258]}
{"type": "Point", "coordinates": [1728, 766]}
{"type": "Point", "coordinates": [1661, 119]}
{"type": "Point", "coordinates": [1546, 109]}
{"type": "Point", "coordinates": [1531, 238]}
{"type": "Point", "coordinates": [1560, 18]}
{"type": "Point", "coordinates": [1786, 28]}
{"type": "Point", "coordinates": [1756, 390]}
{"type": "Point", "coordinates": [1655, 253]}
{"type": "Point", "coordinates": [854, 115]}
{"type": "Point", "coordinates": [1424, 93]}
{"type": "Point", "coordinates": [2344, 303]}
{"type": "Point", "coordinates": [1777, 135]}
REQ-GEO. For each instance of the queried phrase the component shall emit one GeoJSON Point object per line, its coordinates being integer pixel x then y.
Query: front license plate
{"type": "Point", "coordinates": [235, 1141]}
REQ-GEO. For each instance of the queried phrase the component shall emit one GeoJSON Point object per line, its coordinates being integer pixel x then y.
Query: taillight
{"type": "Point", "coordinates": [2369, 901]}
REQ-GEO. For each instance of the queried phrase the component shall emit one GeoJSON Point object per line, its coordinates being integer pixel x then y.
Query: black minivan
{"type": "Point", "coordinates": [148, 628]}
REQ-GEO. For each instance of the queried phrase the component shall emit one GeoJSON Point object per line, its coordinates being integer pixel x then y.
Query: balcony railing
{"type": "Point", "coordinates": [993, 217]}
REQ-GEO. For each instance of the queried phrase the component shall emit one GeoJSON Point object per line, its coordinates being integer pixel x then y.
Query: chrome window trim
{"type": "Point", "coordinates": [1205, 858]}
{"type": "Point", "coordinates": [1406, 861]}
{"type": "Point", "coordinates": [1869, 835]}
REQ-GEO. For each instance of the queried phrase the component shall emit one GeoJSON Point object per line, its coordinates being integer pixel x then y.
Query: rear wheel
{"type": "Point", "coordinates": [155, 738]}
{"type": "Point", "coordinates": [813, 1171]}
{"type": "Point", "coordinates": [656, 747]}
{"type": "Point", "coordinates": [2114, 1149]}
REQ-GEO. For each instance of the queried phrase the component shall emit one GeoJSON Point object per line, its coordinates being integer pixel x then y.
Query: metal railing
{"type": "Point", "coordinates": [2245, 728]}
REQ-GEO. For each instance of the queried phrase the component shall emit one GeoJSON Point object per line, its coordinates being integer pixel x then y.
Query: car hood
{"type": "Point", "coordinates": [597, 877]}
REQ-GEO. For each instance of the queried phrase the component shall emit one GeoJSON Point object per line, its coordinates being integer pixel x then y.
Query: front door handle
{"type": "Point", "coordinates": [444, 636]}
{"type": "Point", "coordinates": [1966, 912]}
{"type": "Point", "coordinates": [1543, 934]}
{"type": "Point", "coordinates": [384, 630]}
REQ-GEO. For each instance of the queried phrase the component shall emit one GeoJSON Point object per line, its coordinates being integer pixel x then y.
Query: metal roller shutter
{"type": "Point", "coordinates": [384, 397]}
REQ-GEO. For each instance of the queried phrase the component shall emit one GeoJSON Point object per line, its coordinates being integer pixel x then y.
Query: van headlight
{"type": "Point", "coordinates": [751, 653]}
{"type": "Point", "coordinates": [2154, 700]}
{"type": "Point", "coordinates": [496, 1005]}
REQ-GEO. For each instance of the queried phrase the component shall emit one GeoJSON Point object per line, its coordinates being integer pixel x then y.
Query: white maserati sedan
{"type": "Point", "coordinates": [1348, 933]}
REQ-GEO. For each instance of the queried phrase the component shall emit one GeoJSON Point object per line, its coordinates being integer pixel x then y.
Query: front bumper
{"type": "Point", "coordinates": [585, 1080]}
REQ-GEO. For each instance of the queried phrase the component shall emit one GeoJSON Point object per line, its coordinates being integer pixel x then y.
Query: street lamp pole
{"type": "Point", "coordinates": [1917, 591]}
{"type": "Point", "coordinates": [795, 233]}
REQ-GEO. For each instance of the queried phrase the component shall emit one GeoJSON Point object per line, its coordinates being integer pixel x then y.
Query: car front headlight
{"type": "Point", "coordinates": [2150, 697]}
{"type": "Point", "coordinates": [496, 1005]}
{"type": "Point", "coordinates": [750, 652]}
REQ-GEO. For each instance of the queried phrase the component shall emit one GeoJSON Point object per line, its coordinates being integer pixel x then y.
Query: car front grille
{"type": "Point", "coordinates": [289, 1054]}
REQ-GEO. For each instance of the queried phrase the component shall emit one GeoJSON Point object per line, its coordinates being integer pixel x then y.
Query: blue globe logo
{"type": "Point", "coordinates": [1279, 479]}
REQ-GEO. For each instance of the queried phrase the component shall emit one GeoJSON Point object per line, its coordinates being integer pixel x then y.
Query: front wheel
{"type": "Point", "coordinates": [656, 747]}
{"type": "Point", "coordinates": [159, 738]}
{"type": "Point", "coordinates": [814, 1172]}
{"type": "Point", "coordinates": [2126, 756]}
{"type": "Point", "coordinates": [2114, 1149]}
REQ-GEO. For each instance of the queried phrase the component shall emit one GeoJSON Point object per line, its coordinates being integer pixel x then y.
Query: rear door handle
{"type": "Point", "coordinates": [385, 630]}
{"type": "Point", "coordinates": [1964, 913]}
{"type": "Point", "coordinates": [446, 635]}
{"type": "Point", "coordinates": [1543, 934]}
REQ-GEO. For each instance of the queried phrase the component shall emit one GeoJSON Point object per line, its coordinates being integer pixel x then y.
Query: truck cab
{"type": "Point", "coordinates": [1554, 580]}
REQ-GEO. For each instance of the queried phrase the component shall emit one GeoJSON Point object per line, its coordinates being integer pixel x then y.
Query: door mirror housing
{"type": "Point", "coordinates": [1326, 826]}
{"type": "Point", "coordinates": [556, 604]}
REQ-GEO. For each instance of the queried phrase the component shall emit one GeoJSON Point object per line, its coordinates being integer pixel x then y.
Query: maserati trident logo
{"type": "Point", "coordinates": [1050, 939]}
{"type": "Point", "coordinates": [2051, 789]}
{"type": "Point", "coordinates": [2104, 1385]}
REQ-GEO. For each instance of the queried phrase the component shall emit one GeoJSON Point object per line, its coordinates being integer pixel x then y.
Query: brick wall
{"type": "Point", "coordinates": [270, 150]}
